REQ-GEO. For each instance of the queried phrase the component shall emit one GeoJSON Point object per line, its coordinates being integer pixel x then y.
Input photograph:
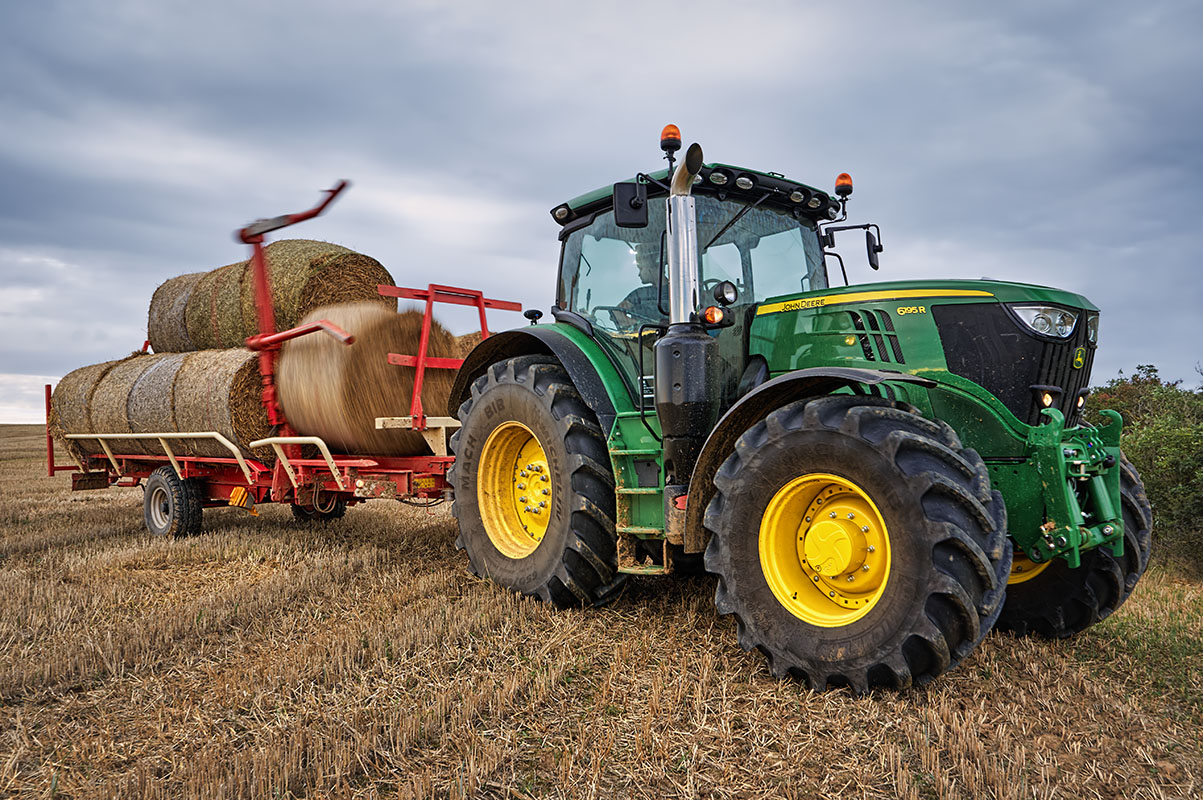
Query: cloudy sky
{"type": "Point", "coordinates": [1050, 142]}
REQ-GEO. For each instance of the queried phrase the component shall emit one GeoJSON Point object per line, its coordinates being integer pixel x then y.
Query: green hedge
{"type": "Point", "coordinates": [1163, 437]}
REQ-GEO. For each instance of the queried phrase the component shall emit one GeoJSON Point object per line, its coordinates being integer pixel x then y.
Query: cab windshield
{"type": "Point", "coordinates": [609, 274]}
{"type": "Point", "coordinates": [614, 277]}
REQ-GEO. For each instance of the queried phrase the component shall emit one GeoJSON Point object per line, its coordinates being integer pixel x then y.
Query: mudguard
{"type": "Point", "coordinates": [755, 406]}
{"type": "Point", "coordinates": [532, 340]}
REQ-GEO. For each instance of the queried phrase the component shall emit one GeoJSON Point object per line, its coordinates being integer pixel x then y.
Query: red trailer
{"type": "Point", "coordinates": [178, 487]}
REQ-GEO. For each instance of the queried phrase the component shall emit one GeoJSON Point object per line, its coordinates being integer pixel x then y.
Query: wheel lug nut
{"type": "Point", "coordinates": [522, 486]}
{"type": "Point", "coordinates": [522, 499]}
{"type": "Point", "coordinates": [865, 568]}
{"type": "Point", "coordinates": [832, 515]}
{"type": "Point", "coordinates": [542, 504]}
{"type": "Point", "coordinates": [528, 509]}
{"type": "Point", "coordinates": [851, 515]}
{"type": "Point", "coordinates": [864, 528]}
{"type": "Point", "coordinates": [547, 491]}
{"type": "Point", "coordinates": [872, 549]}
{"type": "Point", "coordinates": [522, 474]}
{"type": "Point", "coordinates": [808, 519]}
{"type": "Point", "coordinates": [543, 478]}
{"type": "Point", "coordinates": [849, 579]}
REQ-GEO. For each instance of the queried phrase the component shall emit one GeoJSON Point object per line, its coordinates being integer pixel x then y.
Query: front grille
{"type": "Point", "coordinates": [878, 341]}
{"type": "Point", "coordinates": [984, 343]}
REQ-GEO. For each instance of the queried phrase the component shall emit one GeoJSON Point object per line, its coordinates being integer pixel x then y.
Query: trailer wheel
{"type": "Point", "coordinates": [1057, 602]}
{"type": "Point", "coordinates": [857, 544]}
{"type": "Point", "coordinates": [171, 506]}
{"type": "Point", "coordinates": [310, 514]}
{"type": "Point", "coordinates": [533, 495]}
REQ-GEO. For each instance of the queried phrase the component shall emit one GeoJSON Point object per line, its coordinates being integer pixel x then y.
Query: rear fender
{"type": "Point", "coordinates": [755, 406]}
{"type": "Point", "coordinates": [542, 340]}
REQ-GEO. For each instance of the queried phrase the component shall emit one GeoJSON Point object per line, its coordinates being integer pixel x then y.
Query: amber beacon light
{"type": "Point", "coordinates": [843, 184]}
{"type": "Point", "coordinates": [670, 139]}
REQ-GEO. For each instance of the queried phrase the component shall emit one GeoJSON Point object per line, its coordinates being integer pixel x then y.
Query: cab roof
{"type": "Point", "coordinates": [720, 180]}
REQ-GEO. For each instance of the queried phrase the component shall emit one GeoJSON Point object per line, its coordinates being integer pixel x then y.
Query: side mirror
{"type": "Point", "coordinates": [872, 248]}
{"type": "Point", "coordinates": [630, 204]}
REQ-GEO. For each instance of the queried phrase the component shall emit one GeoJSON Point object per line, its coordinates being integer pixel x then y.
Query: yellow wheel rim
{"type": "Point", "coordinates": [513, 490]}
{"type": "Point", "coordinates": [824, 550]}
{"type": "Point", "coordinates": [1024, 569]}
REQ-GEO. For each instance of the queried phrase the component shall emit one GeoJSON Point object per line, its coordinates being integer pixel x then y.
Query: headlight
{"type": "Point", "coordinates": [1047, 320]}
{"type": "Point", "coordinates": [1092, 328]}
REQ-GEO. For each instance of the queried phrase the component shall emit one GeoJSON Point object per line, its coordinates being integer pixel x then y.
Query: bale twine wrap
{"type": "Point", "coordinates": [166, 325]}
{"type": "Point", "coordinates": [207, 390]}
{"type": "Point", "coordinates": [216, 309]}
{"type": "Point", "coordinates": [336, 391]}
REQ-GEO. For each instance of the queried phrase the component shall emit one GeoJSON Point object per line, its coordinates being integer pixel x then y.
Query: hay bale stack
{"type": "Point", "coordinates": [207, 390]}
{"type": "Point", "coordinates": [336, 391]}
{"type": "Point", "coordinates": [216, 309]}
{"type": "Point", "coordinates": [167, 326]}
{"type": "Point", "coordinates": [219, 390]}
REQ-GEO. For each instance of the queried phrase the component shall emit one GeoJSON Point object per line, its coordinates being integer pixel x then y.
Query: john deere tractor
{"type": "Point", "coordinates": [878, 474]}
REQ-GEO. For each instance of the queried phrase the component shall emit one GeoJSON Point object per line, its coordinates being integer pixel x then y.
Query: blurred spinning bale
{"type": "Point", "coordinates": [337, 391]}
{"type": "Point", "coordinates": [216, 309]}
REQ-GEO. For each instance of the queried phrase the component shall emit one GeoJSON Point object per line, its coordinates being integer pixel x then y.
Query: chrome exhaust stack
{"type": "Point", "coordinates": [687, 396]}
{"type": "Point", "coordinates": [683, 279]}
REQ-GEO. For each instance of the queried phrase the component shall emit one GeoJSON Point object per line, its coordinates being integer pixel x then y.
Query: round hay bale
{"type": "Point", "coordinates": [150, 406]}
{"type": "Point", "coordinates": [306, 275]}
{"type": "Point", "coordinates": [336, 391]}
{"type": "Point", "coordinates": [166, 325]}
{"type": "Point", "coordinates": [107, 410]}
{"type": "Point", "coordinates": [227, 300]}
{"type": "Point", "coordinates": [201, 314]}
{"type": "Point", "coordinates": [467, 343]}
{"type": "Point", "coordinates": [70, 402]}
{"type": "Point", "coordinates": [219, 390]}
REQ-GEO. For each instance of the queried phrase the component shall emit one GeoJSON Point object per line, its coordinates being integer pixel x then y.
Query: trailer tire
{"type": "Point", "coordinates": [901, 566]}
{"type": "Point", "coordinates": [1060, 602]}
{"type": "Point", "coordinates": [527, 437]}
{"type": "Point", "coordinates": [171, 506]}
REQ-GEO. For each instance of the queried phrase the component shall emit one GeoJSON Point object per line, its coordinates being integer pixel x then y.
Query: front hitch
{"type": "Point", "coordinates": [1079, 475]}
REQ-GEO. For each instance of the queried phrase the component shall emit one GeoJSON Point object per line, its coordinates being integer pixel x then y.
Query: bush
{"type": "Point", "coordinates": [1163, 437]}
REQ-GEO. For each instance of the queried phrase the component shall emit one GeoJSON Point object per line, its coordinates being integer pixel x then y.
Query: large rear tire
{"type": "Point", "coordinates": [1057, 602]}
{"type": "Point", "coordinates": [857, 544]}
{"type": "Point", "coordinates": [533, 497]}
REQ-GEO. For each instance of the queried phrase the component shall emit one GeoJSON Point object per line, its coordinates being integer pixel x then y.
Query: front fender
{"type": "Point", "coordinates": [755, 406]}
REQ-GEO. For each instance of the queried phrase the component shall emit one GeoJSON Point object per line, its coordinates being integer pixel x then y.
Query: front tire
{"type": "Point", "coordinates": [857, 544]}
{"type": "Point", "coordinates": [171, 506]}
{"type": "Point", "coordinates": [533, 497]}
{"type": "Point", "coordinates": [1058, 602]}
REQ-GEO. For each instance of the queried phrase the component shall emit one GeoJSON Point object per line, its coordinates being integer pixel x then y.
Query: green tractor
{"type": "Point", "coordinates": [878, 474]}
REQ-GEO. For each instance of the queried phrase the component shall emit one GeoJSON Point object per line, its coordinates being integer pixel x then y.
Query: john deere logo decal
{"type": "Point", "coordinates": [1079, 358]}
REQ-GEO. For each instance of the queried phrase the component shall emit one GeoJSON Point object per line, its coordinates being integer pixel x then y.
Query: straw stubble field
{"type": "Point", "coordinates": [270, 659]}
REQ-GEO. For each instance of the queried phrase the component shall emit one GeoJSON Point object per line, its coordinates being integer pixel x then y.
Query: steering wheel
{"type": "Point", "coordinates": [626, 314]}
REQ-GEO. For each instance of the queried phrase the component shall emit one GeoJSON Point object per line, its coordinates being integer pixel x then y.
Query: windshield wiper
{"type": "Point", "coordinates": [738, 216]}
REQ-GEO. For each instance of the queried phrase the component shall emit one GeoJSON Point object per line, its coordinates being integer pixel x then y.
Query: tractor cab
{"type": "Point", "coordinates": [756, 232]}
